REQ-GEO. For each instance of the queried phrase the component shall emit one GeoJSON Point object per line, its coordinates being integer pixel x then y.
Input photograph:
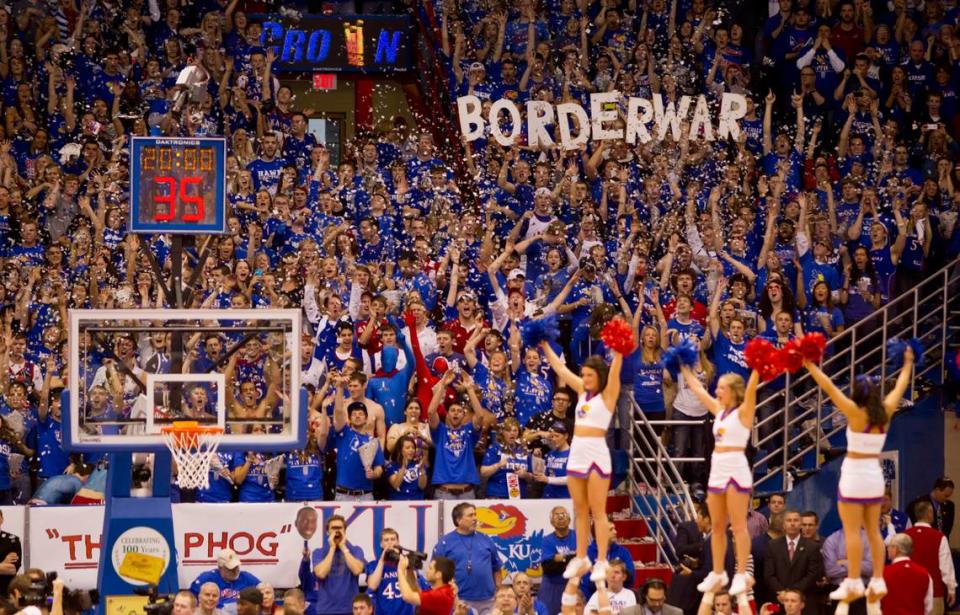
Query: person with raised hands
{"type": "Point", "coordinates": [731, 479]}
{"type": "Point", "coordinates": [862, 485]}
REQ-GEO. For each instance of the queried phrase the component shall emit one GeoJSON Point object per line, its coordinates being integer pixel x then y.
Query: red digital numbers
{"type": "Point", "coordinates": [177, 191]}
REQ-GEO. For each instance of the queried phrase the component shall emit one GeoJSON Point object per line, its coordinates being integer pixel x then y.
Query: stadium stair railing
{"type": "Point", "coordinates": [803, 430]}
{"type": "Point", "coordinates": [786, 450]}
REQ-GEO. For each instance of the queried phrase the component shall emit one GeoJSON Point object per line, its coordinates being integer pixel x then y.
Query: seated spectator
{"type": "Point", "coordinates": [230, 580]}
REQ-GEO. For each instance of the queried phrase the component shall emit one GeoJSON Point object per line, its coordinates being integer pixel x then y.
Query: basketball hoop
{"type": "Point", "coordinates": [192, 446]}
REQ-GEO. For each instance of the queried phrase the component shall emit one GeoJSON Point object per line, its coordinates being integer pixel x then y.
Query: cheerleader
{"type": "Point", "coordinates": [589, 467]}
{"type": "Point", "coordinates": [731, 479]}
{"type": "Point", "coordinates": [862, 485]}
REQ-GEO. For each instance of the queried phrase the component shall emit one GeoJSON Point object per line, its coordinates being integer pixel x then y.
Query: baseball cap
{"type": "Point", "coordinates": [543, 192]}
{"type": "Point", "coordinates": [229, 559]}
{"type": "Point", "coordinates": [478, 66]}
{"type": "Point", "coordinates": [357, 405]}
{"type": "Point", "coordinates": [559, 427]}
{"type": "Point", "coordinates": [516, 273]}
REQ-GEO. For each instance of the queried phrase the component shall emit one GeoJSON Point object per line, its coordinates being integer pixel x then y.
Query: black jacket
{"type": "Point", "coordinates": [802, 572]}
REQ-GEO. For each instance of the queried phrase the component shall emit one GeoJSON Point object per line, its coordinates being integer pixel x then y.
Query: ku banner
{"type": "Point", "coordinates": [517, 527]}
{"type": "Point", "coordinates": [269, 538]}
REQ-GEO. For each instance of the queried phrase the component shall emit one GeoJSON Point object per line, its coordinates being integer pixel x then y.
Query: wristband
{"type": "Point", "coordinates": [569, 599]}
{"type": "Point", "coordinates": [707, 599]}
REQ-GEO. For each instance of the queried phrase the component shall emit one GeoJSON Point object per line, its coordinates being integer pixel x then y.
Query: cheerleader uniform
{"type": "Point", "coordinates": [587, 453]}
{"type": "Point", "coordinates": [861, 479]}
{"type": "Point", "coordinates": [730, 467]}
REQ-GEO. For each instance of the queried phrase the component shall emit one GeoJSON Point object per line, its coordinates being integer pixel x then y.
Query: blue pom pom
{"type": "Point", "coordinates": [675, 357]}
{"type": "Point", "coordinates": [896, 348]}
{"type": "Point", "coordinates": [541, 330]}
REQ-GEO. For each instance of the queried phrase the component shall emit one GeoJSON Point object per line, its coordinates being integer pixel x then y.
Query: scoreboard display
{"type": "Point", "coordinates": [177, 185]}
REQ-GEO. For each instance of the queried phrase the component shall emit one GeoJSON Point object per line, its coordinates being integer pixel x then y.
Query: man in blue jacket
{"type": "Point", "coordinates": [228, 577]}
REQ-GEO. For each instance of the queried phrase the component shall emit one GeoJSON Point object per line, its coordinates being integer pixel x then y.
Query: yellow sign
{"type": "Point", "coordinates": [126, 605]}
{"type": "Point", "coordinates": [142, 567]}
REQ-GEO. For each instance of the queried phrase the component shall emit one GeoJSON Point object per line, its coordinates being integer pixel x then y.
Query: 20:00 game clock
{"type": "Point", "coordinates": [177, 185]}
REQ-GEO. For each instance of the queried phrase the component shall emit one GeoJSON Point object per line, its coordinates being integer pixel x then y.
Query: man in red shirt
{"type": "Point", "coordinates": [439, 599]}
{"type": "Point", "coordinates": [849, 37]}
{"type": "Point", "coordinates": [910, 588]}
{"type": "Point", "coordinates": [930, 550]}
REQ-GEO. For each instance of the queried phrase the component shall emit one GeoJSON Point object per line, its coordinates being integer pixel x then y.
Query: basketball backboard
{"type": "Point", "coordinates": [132, 372]}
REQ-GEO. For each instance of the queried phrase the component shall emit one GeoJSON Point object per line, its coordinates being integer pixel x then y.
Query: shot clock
{"type": "Point", "coordinates": [177, 185]}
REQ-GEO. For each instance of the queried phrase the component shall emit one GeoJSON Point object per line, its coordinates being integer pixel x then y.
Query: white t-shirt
{"type": "Point", "coordinates": [618, 601]}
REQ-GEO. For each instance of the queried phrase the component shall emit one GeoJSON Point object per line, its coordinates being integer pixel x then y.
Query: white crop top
{"type": "Point", "coordinates": [865, 443]}
{"type": "Point", "coordinates": [729, 431]}
{"type": "Point", "coordinates": [592, 412]}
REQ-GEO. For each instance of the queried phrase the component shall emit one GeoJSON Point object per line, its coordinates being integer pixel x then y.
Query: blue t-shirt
{"type": "Point", "coordinates": [221, 488]}
{"type": "Point", "coordinates": [229, 590]}
{"type": "Point", "coordinates": [648, 386]}
{"type": "Point", "coordinates": [350, 471]}
{"type": "Point", "coordinates": [409, 484]}
{"type": "Point", "coordinates": [53, 459]}
{"type": "Point", "coordinates": [533, 395]}
{"type": "Point", "coordinates": [556, 466]}
{"type": "Point", "coordinates": [386, 598]}
{"type": "Point", "coordinates": [304, 477]}
{"type": "Point", "coordinates": [729, 358]}
{"type": "Point", "coordinates": [454, 462]}
{"type": "Point", "coordinates": [553, 545]}
{"type": "Point", "coordinates": [518, 459]}
{"type": "Point", "coordinates": [336, 592]}
{"type": "Point", "coordinates": [255, 487]}
{"type": "Point", "coordinates": [476, 559]}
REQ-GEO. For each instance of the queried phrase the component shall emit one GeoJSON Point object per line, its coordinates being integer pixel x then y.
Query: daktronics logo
{"type": "Point", "coordinates": [199, 548]}
{"type": "Point", "coordinates": [83, 550]}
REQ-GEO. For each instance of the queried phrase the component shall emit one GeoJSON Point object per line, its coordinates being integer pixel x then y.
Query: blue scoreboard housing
{"type": "Point", "coordinates": [178, 185]}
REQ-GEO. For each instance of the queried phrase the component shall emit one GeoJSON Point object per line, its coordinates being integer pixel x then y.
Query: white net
{"type": "Point", "coordinates": [192, 449]}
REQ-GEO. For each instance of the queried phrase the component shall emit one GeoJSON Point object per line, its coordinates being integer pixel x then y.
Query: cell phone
{"type": "Point", "coordinates": [258, 272]}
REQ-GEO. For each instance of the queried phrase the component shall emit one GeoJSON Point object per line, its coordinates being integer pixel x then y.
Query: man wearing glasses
{"type": "Point", "coordinates": [557, 548]}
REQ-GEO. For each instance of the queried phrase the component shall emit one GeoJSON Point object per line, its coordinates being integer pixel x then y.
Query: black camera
{"type": "Point", "coordinates": [39, 592]}
{"type": "Point", "coordinates": [157, 603]}
{"type": "Point", "coordinates": [416, 558]}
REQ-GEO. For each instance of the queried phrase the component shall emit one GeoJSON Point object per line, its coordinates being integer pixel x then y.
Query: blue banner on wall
{"type": "Point", "coordinates": [360, 43]}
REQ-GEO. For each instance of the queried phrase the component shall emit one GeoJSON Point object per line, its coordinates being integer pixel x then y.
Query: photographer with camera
{"type": "Point", "coordinates": [440, 598]}
{"type": "Point", "coordinates": [31, 595]}
{"type": "Point", "coordinates": [382, 577]}
{"type": "Point", "coordinates": [336, 568]}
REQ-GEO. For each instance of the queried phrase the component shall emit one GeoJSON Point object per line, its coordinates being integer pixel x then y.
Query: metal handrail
{"type": "Point", "coordinates": [926, 312]}
{"type": "Point", "coordinates": [668, 496]}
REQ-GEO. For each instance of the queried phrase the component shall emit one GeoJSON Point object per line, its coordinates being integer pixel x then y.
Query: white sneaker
{"type": "Point", "coordinates": [739, 585]}
{"type": "Point", "coordinates": [877, 587]}
{"type": "Point", "coordinates": [599, 571]}
{"type": "Point", "coordinates": [713, 579]}
{"type": "Point", "coordinates": [574, 567]}
{"type": "Point", "coordinates": [849, 590]}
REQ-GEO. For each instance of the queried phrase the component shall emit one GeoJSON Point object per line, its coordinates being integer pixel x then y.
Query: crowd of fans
{"type": "Point", "coordinates": [838, 195]}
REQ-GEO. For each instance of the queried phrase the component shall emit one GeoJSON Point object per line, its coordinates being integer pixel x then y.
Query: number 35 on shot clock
{"type": "Point", "coordinates": [177, 185]}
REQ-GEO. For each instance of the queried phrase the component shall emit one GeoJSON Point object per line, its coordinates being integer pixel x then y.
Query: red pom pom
{"type": "Point", "coordinates": [791, 356]}
{"type": "Point", "coordinates": [763, 357]}
{"type": "Point", "coordinates": [617, 335]}
{"type": "Point", "coordinates": [811, 346]}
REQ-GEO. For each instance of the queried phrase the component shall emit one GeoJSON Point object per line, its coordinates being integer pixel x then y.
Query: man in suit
{"type": "Point", "coordinates": [792, 562]}
{"type": "Point", "coordinates": [758, 549]}
{"type": "Point", "coordinates": [689, 545]}
{"type": "Point", "coordinates": [652, 600]}
{"type": "Point", "coordinates": [909, 586]}
{"type": "Point", "coordinates": [943, 509]}
{"type": "Point", "coordinates": [930, 550]}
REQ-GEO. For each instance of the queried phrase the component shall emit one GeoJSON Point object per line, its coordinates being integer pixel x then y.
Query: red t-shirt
{"type": "Point", "coordinates": [437, 601]}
